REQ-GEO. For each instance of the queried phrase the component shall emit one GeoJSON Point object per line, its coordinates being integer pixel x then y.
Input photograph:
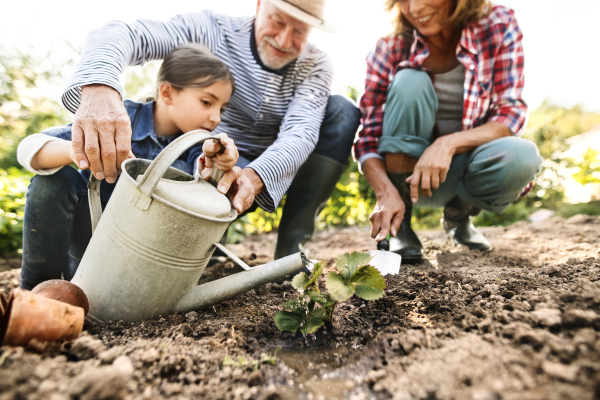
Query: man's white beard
{"type": "Point", "coordinates": [271, 60]}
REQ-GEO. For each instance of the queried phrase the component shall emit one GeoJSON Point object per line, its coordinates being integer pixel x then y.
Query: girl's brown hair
{"type": "Point", "coordinates": [193, 66]}
{"type": "Point", "coordinates": [464, 13]}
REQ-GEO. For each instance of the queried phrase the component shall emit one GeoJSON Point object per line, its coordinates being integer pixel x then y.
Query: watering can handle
{"type": "Point", "coordinates": [154, 173]}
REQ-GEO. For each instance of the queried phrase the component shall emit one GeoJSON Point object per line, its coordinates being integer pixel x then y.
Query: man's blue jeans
{"type": "Point", "coordinates": [490, 177]}
{"type": "Point", "coordinates": [57, 226]}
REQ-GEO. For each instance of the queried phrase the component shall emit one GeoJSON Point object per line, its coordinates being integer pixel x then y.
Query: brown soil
{"type": "Point", "coordinates": [519, 322]}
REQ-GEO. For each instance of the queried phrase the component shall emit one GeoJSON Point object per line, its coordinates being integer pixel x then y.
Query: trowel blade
{"type": "Point", "coordinates": [386, 262]}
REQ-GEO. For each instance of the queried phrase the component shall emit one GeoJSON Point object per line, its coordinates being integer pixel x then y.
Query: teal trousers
{"type": "Point", "coordinates": [490, 177]}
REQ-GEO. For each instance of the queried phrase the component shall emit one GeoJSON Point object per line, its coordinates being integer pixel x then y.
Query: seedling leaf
{"type": "Point", "coordinates": [317, 271]}
{"type": "Point", "coordinates": [295, 305]}
{"type": "Point", "coordinates": [338, 290]}
{"type": "Point", "coordinates": [369, 283]}
{"type": "Point", "coordinates": [347, 264]}
{"type": "Point", "coordinates": [288, 321]}
{"type": "Point", "coordinates": [300, 281]}
{"type": "Point", "coordinates": [318, 297]}
{"type": "Point", "coordinates": [314, 321]}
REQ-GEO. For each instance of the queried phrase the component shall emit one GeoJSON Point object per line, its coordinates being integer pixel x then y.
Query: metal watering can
{"type": "Point", "coordinates": [156, 236]}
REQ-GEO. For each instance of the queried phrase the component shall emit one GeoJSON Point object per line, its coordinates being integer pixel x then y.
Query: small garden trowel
{"type": "Point", "coordinates": [386, 262]}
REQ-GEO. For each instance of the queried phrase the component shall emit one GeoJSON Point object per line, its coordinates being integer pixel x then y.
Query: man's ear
{"type": "Point", "coordinates": [165, 93]}
{"type": "Point", "coordinates": [257, 6]}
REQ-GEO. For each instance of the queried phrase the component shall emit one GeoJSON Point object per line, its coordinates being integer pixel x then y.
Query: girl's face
{"type": "Point", "coordinates": [198, 108]}
{"type": "Point", "coordinates": [427, 16]}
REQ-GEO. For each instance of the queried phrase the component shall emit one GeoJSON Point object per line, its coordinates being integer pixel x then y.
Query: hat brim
{"type": "Point", "coordinates": [303, 16]}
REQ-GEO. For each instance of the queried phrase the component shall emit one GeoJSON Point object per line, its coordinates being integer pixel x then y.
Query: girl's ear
{"type": "Point", "coordinates": [165, 93]}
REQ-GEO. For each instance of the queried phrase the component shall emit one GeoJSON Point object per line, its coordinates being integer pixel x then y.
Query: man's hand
{"type": "Point", "coordinates": [238, 187]}
{"type": "Point", "coordinates": [431, 169]}
{"type": "Point", "coordinates": [101, 133]}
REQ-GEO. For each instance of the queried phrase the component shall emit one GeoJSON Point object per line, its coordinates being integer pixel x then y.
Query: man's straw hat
{"type": "Point", "coordinates": [308, 11]}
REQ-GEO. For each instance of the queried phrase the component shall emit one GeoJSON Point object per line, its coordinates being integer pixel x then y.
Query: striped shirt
{"type": "Point", "coordinates": [273, 116]}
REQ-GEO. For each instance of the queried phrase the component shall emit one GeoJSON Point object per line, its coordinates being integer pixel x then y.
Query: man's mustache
{"type": "Point", "coordinates": [272, 42]}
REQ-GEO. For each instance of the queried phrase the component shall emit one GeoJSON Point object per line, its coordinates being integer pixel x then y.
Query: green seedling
{"type": "Point", "coordinates": [242, 362]}
{"type": "Point", "coordinates": [312, 307]}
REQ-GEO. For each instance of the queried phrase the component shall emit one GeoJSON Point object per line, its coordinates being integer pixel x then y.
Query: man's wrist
{"type": "Point", "coordinates": [257, 183]}
{"type": "Point", "coordinates": [98, 87]}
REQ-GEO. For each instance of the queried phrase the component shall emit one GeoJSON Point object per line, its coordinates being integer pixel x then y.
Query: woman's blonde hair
{"type": "Point", "coordinates": [464, 13]}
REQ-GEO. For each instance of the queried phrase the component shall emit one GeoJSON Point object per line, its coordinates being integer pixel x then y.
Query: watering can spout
{"type": "Point", "coordinates": [215, 292]}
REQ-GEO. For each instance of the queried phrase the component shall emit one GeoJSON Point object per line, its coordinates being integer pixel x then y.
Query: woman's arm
{"type": "Point", "coordinates": [389, 210]}
{"type": "Point", "coordinates": [432, 168]}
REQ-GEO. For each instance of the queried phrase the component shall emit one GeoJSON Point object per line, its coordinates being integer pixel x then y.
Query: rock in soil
{"type": "Point", "coordinates": [519, 322]}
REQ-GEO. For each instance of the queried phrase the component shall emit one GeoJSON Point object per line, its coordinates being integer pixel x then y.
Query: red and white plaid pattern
{"type": "Point", "coordinates": [492, 54]}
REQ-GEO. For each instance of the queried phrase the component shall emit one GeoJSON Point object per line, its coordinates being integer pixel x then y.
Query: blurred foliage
{"type": "Point", "coordinates": [13, 187]}
{"type": "Point", "coordinates": [549, 127]}
{"type": "Point", "coordinates": [23, 108]}
{"type": "Point", "coordinates": [587, 167]}
{"type": "Point", "coordinates": [140, 81]}
{"type": "Point", "coordinates": [569, 210]}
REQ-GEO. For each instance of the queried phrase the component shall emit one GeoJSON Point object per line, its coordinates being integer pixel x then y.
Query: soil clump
{"type": "Point", "coordinates": [519, 322]}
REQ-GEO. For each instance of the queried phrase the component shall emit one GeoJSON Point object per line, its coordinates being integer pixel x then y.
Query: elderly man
{"type": "Point", "coordinates": [291, 134]}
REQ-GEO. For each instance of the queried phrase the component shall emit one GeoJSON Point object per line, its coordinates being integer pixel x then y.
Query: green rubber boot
{"type": "Point", "coordinates": [406, 243]}
{"type": "Point", "coordinates": [458, 226]}
{"type": "Point", "coordinates": [307, 196]}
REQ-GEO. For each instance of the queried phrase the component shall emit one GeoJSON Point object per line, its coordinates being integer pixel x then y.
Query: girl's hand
{"type": "Point", "coordinates": [224, 161]}
{"type": "Point", "coordinates": [431, 170]}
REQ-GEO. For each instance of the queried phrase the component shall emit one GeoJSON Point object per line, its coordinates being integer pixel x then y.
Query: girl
{"type": "Point", "coordinates": [194, 87]}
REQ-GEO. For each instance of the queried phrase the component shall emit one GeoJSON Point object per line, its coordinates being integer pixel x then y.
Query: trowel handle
{"type": "Point", "coordinates": [216, 174]}
{"type": "Point", "coordinates": [94, 201]}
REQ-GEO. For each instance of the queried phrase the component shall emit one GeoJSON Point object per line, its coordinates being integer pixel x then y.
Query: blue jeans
{"type": "Point", "coordinates": [56, 227]}
{"type": "Point", "coordinates": [490, 177]}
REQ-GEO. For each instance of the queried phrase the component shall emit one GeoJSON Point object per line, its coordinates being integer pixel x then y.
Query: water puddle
{"type": "Point", "coordinates": [325, 373]}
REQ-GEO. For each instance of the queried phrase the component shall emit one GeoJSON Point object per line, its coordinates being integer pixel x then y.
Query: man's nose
{"type": "Point", "coordinates": [284, 38]}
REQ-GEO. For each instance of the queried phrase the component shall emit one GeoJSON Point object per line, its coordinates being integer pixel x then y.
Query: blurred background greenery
{"type": "Point", "coordinates": [24, 110]}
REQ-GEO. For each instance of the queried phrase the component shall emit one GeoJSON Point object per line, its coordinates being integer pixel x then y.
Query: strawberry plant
{"type": "Point", "coordinates": [312, 307]}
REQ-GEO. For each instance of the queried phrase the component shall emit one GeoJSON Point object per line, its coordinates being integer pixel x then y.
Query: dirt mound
{"type": "Point", "coordinates": [519, 322]}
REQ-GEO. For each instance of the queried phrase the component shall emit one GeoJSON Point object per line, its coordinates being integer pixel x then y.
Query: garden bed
{"type": "Point", "coordinates": [519, 322]}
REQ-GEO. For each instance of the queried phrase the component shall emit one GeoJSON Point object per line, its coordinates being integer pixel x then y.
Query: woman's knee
{"type": "Point", "coordinates": [411, 88]}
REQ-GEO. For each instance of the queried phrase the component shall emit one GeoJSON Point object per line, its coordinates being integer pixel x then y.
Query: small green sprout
{"type": "Point", "coordinates": [312, 307]}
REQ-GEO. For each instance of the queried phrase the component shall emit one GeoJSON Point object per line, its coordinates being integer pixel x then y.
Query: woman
{"type": "Point", "coordinates": [442, 112]}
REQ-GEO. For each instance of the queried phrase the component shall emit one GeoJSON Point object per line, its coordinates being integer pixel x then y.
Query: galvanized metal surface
{"type": "Point", "coordinates": [223, 289]}
{"type": "Point", "coordinates": [155, 239]}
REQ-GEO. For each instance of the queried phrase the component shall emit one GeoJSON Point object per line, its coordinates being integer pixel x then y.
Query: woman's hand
{"type": "Point", "coordinates": [224, 161]}
{"type": "Point", "coordinates": [389, 210]}
{"type": "Point", "coordinates": [431, 169]}
{"type": "Point", "coordinates": [387, 215]}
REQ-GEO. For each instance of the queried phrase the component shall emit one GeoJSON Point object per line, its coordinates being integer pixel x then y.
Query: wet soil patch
{"type": "Point", "coordinates": [519, 322]}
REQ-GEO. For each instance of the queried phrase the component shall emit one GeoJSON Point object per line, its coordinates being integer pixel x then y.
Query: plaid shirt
{"type": "Point", "coordinates": [492, 54]}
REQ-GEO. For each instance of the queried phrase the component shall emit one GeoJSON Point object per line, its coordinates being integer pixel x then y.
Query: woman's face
{"type": "Point", "coordinates": [427, 16]}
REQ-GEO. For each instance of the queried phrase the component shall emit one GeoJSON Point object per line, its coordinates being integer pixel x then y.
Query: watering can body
{"type": "Point", "coordinates": [155, 239]}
